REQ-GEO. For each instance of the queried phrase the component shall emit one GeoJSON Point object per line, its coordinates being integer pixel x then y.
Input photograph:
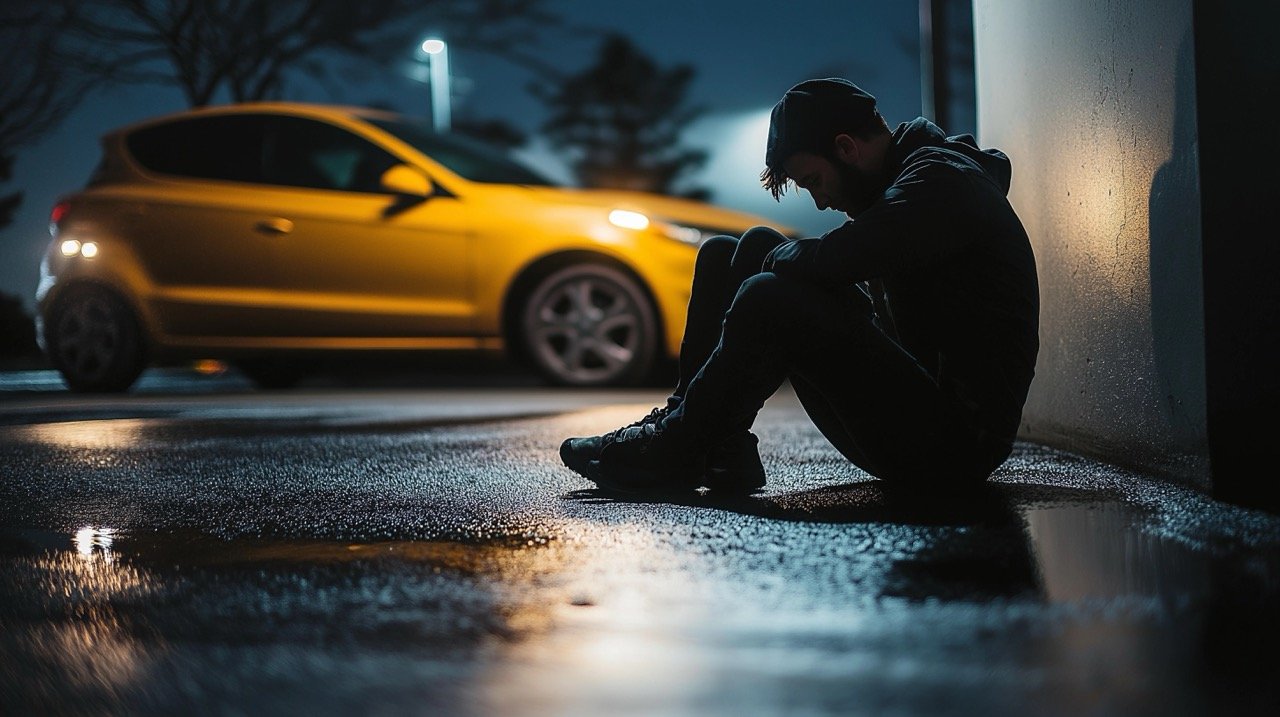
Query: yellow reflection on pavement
{"type": "Point", "coordinates": [615, 630]}
{"type": "Point", "coordinates": [113, 433]}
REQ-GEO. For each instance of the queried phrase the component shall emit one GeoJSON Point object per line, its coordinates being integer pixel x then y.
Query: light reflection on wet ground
{"type": "Point", "coordinates": [1094, 553]}
{"type": "Point", "coordinates": [392, 564]}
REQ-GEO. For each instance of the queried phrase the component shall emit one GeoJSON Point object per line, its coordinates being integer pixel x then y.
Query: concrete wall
{"type": "Point", "coordinates": [1095, 103]}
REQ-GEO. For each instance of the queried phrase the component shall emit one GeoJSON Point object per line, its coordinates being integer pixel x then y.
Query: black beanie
{"type": "Point", "coordinates": [809, 116]}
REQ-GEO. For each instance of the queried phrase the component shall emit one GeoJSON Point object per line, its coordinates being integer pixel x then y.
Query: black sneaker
{"type": "Point", "coordinates": [577, 453]}
{"type": "Point", "coordinates": [734, 465]}
{"type": "Point", "coordinates": [648, 458]}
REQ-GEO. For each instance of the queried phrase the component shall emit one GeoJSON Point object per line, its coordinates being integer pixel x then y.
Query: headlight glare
{"type": "Point", "coordinates": [688, 235]}
{"type": "Point", "coordinates": [683, 233]}
{"type": "Point", "coordinates": [628, 219]}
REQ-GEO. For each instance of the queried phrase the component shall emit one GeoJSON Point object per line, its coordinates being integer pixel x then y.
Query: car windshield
{"type": "Point", "coordinates": [467, 158]}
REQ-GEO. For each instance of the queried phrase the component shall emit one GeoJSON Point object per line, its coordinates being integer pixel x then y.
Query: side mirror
{"type": "Point", "coordinates": [406, 181]}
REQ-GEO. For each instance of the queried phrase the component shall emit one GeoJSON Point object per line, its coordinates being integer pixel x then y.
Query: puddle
{"type": "Point", "coordinates": [619, 619]}
{"type": "Point", "coordinates": [1099, 551]}
{"type": "Point", "coordinates": [99, 619]}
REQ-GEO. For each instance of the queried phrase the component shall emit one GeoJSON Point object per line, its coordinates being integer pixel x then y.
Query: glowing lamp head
{"type": "Point", "coordinates": [433, 46]}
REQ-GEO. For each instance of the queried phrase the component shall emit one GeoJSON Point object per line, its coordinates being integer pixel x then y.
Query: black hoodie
{"type": "Point", "coordinates": [958, 274]}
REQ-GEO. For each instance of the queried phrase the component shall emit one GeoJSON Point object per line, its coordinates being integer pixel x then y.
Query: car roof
{"type": "Point", "coordinates": [297, 109]}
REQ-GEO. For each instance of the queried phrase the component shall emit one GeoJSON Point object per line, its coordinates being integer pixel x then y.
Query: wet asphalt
{"type": "Point", "coordinates": [214, 550]}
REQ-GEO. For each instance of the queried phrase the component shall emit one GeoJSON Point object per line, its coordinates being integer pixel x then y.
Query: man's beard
{"type": "Point", "coordinates": [858, 189]}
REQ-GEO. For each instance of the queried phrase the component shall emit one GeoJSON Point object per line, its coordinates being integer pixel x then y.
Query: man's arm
{"type": "Point", "coordinates": [923, 217]}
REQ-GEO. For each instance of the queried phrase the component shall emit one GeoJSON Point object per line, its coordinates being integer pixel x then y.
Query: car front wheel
{"type": "Point", "coordinates": [590, 325]}
{"type": "Point", "coordinates": [95, 340]}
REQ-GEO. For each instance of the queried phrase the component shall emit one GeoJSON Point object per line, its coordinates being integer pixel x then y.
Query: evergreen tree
{"type": "Point", "coordinates": [619, 121]}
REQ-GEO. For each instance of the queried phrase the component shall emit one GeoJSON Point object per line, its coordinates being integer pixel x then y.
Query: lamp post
{"type": "Point", "coordinates": [437, 53]}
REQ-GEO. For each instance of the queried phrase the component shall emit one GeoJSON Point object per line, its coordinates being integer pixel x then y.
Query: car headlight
{"type": "Point", "coordinates": [687, 234]}
{"type": "Point", "coordinates": [73, 247]}
{"type": "Point", "coordinates": [627, 219]}
{"type": "Point", "coordinates": [683, 233]}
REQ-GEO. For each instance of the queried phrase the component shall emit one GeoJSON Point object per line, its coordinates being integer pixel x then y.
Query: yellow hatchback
{"type": "Point", "coordinates": [257, 233]}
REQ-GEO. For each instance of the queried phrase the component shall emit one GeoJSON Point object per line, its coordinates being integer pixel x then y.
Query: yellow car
{"type": "Point", "coordinates": [260, 232]}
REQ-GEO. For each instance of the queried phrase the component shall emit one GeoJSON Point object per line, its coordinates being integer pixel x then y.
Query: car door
{"type": "Point", "coordinates": [351, 263]}
{"type": "Point", "coordinates": [193, 227]}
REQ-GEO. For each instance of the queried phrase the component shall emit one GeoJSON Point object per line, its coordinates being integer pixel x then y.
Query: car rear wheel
{"type": "Point", "coordinates": [95, 340]}
{"type": "Point", "coordinates": [590, 325]}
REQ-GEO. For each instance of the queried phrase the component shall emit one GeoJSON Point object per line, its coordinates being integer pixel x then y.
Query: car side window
{"type": "Point", "coordinates": [300, 152]}
{"type": "Point", "coordinates": [226, 147]}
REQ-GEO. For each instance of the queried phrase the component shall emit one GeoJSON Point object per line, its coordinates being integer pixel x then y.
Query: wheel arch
{"type": "Point", "coordinates": [66, 288]}
{"type": "Point", "coordinates": [131, 349]}
{"type": "Point", "coordinates": [544, 266]}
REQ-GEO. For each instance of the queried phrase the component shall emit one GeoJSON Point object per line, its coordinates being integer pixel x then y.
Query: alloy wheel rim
{"type": "Point", "coordinates": [587, 329]}
{"type": "Point", "coordinates": [88, 337]}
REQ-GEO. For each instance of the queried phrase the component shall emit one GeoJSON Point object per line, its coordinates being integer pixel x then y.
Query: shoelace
{"type": "Point", "coordinates": [654, 416]}
{"type": "Point", "coordinates": [640, 434]}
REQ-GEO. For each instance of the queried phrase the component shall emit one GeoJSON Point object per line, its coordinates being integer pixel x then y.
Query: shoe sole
{"type": "Point", "coordinates": [722, 482]}
{"type": "Point", "coordinates": [718, 481]}
{"type": "Point", "coordinates": [624, 480]}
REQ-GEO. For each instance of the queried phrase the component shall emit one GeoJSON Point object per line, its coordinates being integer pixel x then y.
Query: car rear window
{"type": "Point", "coordinates": [221, 147]}
{"type": "Point", "coordinates": [263, 149]}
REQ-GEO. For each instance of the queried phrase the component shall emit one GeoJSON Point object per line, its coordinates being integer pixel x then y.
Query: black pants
{"type": "Point", "coordinates": [748, 332]}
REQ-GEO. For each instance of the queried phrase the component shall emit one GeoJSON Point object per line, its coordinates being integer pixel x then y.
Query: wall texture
{"type": "Point", "coordinates": [1094, 101]}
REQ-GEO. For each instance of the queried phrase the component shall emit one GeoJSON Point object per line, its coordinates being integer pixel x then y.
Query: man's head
{"type": "Point", "coordinates": [827, 136]}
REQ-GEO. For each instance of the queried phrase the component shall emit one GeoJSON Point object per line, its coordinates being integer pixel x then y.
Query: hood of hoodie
{"type": "Point", "coordinates": [920, 133]}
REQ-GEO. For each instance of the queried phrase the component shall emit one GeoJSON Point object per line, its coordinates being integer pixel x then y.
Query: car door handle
{"type": "Point", "coordinates": [274, 226]}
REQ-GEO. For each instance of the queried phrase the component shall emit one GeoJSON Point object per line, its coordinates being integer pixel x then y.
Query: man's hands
{"type": "Point", "coordinates": [794, 258]}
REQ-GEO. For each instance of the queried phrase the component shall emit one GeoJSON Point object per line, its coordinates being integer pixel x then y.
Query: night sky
{"type": "Point", "coordinates": [746, 54]}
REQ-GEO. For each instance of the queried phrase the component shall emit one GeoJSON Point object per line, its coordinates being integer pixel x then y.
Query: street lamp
{"type": "Point", "coordinates": [437, 53]}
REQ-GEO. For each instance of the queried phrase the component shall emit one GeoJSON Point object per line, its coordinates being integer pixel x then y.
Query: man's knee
{"type": "Point", "coordinates": [715, 253]}
{"type": "Point", "coordinates": [754, 246]}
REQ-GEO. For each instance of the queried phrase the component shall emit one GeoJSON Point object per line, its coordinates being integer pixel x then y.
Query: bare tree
{"type": "Point", "coordinates": [38, 90]}
{"type": "Point", "coordinates": [248, 48]}
{"type": "Point", "coordinates": [620, 121]}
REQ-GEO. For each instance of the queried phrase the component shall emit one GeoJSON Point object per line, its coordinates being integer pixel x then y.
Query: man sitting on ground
{"type": "Point", "coordinates": [909, 333]}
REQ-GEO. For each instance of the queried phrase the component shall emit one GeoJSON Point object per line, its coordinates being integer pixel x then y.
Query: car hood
{"type": "Point", "coordinates": [672, 209]}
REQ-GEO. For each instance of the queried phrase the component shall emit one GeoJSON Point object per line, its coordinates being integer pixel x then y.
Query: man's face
{"type": "Point", "coordinates": [833, 183]}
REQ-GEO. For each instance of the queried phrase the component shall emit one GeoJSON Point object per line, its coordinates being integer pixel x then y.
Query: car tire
{"type": "Point", "coordinates": [95, 340]}
{"type": "Point", "coordinates": [590, 325]}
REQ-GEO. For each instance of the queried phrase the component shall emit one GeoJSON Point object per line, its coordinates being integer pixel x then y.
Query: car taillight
{"type": "Point", "coordinates": [55, 216]}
